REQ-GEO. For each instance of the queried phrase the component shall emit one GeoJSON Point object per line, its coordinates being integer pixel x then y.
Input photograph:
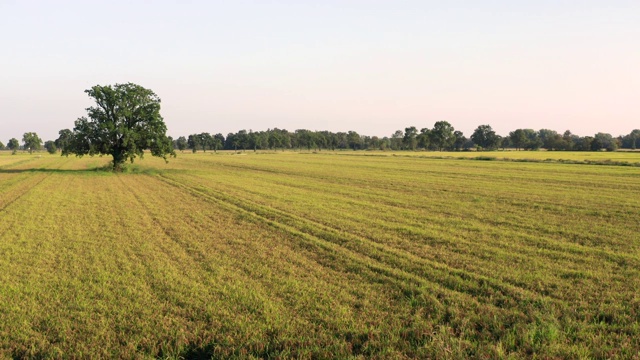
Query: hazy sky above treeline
{"type": "Point", "coordinates": [369, 66]}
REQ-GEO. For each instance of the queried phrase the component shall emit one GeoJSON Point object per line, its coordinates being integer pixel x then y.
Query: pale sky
{"type": "Point", "coordinates": [370, 66]}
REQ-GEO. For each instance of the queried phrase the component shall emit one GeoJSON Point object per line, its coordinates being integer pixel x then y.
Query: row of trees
{"type": "Point", "coordinates": [441, 137]}
{"type": "Point", "coordinates": [31, 142]}
{"type": "Point", "coordinates": [125, 122]}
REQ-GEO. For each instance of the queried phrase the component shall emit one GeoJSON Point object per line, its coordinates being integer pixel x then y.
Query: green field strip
{"type": "Point", "coordinates": [446, 228]}
{"type": "Point", "coordinates": [247, 282]}
{"type": "Point", "coordinates": [319, 256]}
{"type": "Point", "coordinates": [18, 183]}
{"type": "Point", "coordinates": [467, 215]}
{"type": "Point", "coordinates": [444, 234]}
{"type": "Point", "coordinates": [543, 264]}
{"type": "Point", "coordinates": [7, 163]}
{"type": "Point", "coordinates": [330, 260]}
{"type": "Point", "coordinates": [453, 279]}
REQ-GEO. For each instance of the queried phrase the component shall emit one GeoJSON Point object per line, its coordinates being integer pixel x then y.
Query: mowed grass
{"type": "Point", "coordinates": [318, 256]}
{"type": "Point", "coordinates": [629, 157]}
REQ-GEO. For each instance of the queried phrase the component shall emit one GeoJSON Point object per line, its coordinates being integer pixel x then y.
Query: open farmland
{"type": "Point", "coordinates": [625, 158]}
{"type": "Point", "coordinates": [318, 256]}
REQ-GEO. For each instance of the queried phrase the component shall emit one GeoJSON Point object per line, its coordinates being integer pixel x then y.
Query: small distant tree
{"type": "Point", "coordinates": [218, 142]}
{"type": "Point", "coordinates": [569, 140]}
{"type": "Point", "coordinates": [206, 141]}
{"type": "Point", "coordinates": [505, 142]}
{"type": "Point", "coordinates": [602, 141]}
{"type": "Point", "coordinates": [231, 142]}
{"type": "Point", "coordinates": [549, 139]}
{"type": "Point", "coordinates": [460, 140]}
{"type": "Point", "coordinates": [31, 142]}
{"type": "Point", "coordinates": [518, 138]}
{"type": "Point", "coordinates": [632, 140]}
{"type": "Point", "coordinates": [424, 138]}
{"type": "Point", "coordinates": [51, 147]}
{"type": "Point", "coordinates": [181, 143]}
{"type": "Point", "coordinates": [485, 137]}
{"type": "Point", "coordinates": [355, 140]}
{"type": "Point", "coordinates": [583, 143]}
{"type": "Point", "coordinates": [124, 123]}
{"type": "Point", "coordinates": [13, 145]}
{"type": "Point", "coordinates": [64, 140]}
{"type": "Point", "coordinates": [396, 140]}
{"type": "Point", "coordinates": [442, 135]}
{"type": "Point", "coordinates": [533, 140]}
{"type": "Point", "coordinates": [410, 140]}
{"type": "Point", "coordinates": [1, 146]}
{"type": "Point", "coordinates": [194, 142]}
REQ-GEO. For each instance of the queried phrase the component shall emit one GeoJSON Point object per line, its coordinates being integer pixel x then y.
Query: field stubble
{"type": "Point", "coordinates": [318, 255]}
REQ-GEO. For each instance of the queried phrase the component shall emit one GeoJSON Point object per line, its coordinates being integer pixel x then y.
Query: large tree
{"type": "Point", "coordinates": [31, 141]}
{"type": "Point", "coordinates": [124, 123]}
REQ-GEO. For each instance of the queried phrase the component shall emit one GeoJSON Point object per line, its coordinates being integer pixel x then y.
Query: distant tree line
{"type": "Point", "coordinates": [441, 137]}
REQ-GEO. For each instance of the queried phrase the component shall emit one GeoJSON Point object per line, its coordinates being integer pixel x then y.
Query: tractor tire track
{"type": "Point", "coordinates": [387, 263]}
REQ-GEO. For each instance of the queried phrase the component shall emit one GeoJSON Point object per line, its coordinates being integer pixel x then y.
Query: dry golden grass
{"type": "Point", "coordinates": [318, 256]}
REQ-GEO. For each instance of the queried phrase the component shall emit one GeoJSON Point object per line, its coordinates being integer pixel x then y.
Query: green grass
{"type": "Point", "coordinates": [624, 158]}
{"type": "Point", "coordinates": [302, 255]}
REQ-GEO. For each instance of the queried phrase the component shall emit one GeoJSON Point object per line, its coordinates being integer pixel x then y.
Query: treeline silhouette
{"type": "Point", "coordinates": [441, 137]}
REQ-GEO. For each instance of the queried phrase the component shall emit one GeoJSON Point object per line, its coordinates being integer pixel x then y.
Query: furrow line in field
{"type": "Point", "coordinates": [529, 246]}
{"type": "Point", "coordinates": [555, 247]}
{"type": "Point", "coordinates": [399, 258]}
{"type": "Point", "coordinates": [387, 261]}
{"type": "Point", "coordinates": [39, 178]}
{"type": "Point", "coordinates": [16, 163]}
{"type": "Point", "coordinates": [158, 224]}
{"type": "Point", "coordinates": [23, 188]}
{"type": "Point", "coordinates": [406, 282]}
{"type": "Point", "coordinates": [481, 180]}
{"type": "Point", "coordinates": [382, 188]}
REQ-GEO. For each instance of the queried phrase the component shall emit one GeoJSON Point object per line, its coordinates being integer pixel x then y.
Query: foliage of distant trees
{"type": "Point", "coordinates": [31, 142]}
{"type": "Point", "coordinates": [50, 146]}
{"type": "Point", "coordinates": [13, 145]}
{"type": "Point", "coordinates": [441, 137]}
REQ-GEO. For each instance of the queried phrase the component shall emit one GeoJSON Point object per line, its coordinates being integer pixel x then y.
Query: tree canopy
{"type": "Point", "coordinates": [124, 123]}
{"type": "Point", "coordinates": [485, 137]}
{"type": "Point", "coordinates": [13, 145]}
{"type": "Point", "coordinates": [31, 141]}
{"type": "Point", "coordinates": [50, 145]}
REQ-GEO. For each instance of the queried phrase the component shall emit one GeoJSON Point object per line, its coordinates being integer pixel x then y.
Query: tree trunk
{"type": "Point", "coordinates": [118, 161]}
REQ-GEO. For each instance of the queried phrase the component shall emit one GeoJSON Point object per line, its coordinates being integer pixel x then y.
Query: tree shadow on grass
{"type": "Point", "coordinates": [100, 170]}
{"type": "Point", "coordinates": [56, 171]}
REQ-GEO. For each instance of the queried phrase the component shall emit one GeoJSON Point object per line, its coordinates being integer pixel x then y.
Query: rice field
{"type": "Point", "coordinates": [320, 256]}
